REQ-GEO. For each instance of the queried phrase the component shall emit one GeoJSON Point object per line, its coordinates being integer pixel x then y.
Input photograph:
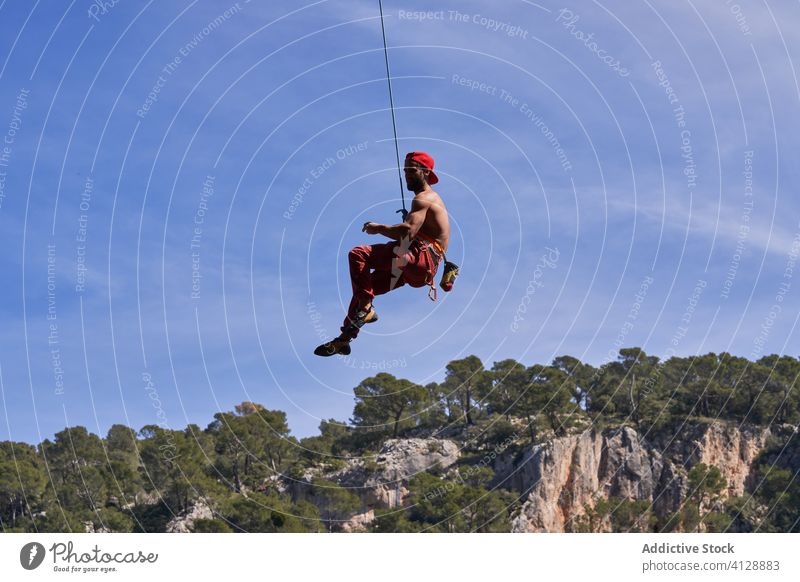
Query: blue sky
{"type": "Point", "coordinates": [553, 134]}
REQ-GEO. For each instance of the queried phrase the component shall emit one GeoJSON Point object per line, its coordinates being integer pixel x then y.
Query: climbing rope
{"type": "Point", "coordinates": [403, 211]}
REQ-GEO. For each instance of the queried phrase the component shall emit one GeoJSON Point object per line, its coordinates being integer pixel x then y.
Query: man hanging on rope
{"type": "Point", "coordinates": [420, 242]}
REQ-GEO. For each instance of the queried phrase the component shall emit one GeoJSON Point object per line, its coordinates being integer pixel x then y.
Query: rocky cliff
{"type": "Point", "coordinates": [380, 482]}
{"type": "Point", "coordinates": [562, 477]}
{"type": "Point", "coordinates": [557, 480]}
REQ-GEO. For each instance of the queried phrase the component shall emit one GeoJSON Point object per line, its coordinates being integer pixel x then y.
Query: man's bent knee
{"type": "Point", "coordinates": [358, 252]}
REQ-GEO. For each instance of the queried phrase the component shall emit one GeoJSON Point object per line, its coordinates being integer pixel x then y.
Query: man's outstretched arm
{"type": "Point", "coordinates": [407, 228]}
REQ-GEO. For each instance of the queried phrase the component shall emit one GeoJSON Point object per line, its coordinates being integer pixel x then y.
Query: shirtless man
{"type": "Point", "coordinates": [420, 242]}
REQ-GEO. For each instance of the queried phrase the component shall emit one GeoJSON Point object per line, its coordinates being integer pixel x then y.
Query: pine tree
{"type": "Point", "coordinates": [384, 400]}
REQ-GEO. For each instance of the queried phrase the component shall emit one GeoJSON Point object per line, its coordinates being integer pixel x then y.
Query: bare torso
{"type": "Point", "coordinates": [437, 223]}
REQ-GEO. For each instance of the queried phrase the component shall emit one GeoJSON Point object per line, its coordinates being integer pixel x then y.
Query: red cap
{"type": "Point", "coordinates": [426, 161]}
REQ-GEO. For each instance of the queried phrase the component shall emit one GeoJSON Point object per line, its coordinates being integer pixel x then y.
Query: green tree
{"type": "Point", "coordinates": [384, 399]}
{"type": "Point", "coordinates": [22, 485]}
{"type": "Point", "coordinates": [786, 371]}
{"type": "Point", "coordinates": [175, 466]}
{"type": "Point", "coordinates": [594, 517]}
{"type": "Point", "coordinates": [778, 490]}
{"type": "Point", "coordinates": [757, 393]}
{"type": "Point", "coordinates": [630, 515]}
{"type": "Point", "coordinates": [546, 397]}
{"type": "Point", "coordinates": [441, 505]}
{"type": "Point", "coordinates": [56, 519]}
{"type": "Point", "coordinates": [436, 503]}
{"type": "Point", "coordinates": [706, 485]}
{"type": "Point", "coordinates": [267, 514]}
{"type": "Point", "coordinates": [436, 411]}
{"type": "Point", "coordinates": [581, 377]}
{"type": "Point", "coordinates": [698, 386]}
{"type": "Point", "coordinates": [328, 445]}
{"type": "Point", "coordinates": [75, 459]}
{"type": "Point", "coordinates": [210, 526]}
{"type": "Point", "coordinates": [508, 382]}
{"type": "Point", "coordinates": [112, 520]}
{"type": "Point", "coordinates": [394, 520]}
{"type": "Point", "coordinates": [120, 443]}
{"type": "Point", "coordinates": [484, 511]}
{"type": "Point", "coordinates": [336, 503]}
{"type": "Point", "coordinates": [121, 472]}
{"type": "Point", "coordinates": [467, 380]}
{"type": "Point", "coordinates": [628, 388]}
{"type": "Point", "coordinates": [252, 445]}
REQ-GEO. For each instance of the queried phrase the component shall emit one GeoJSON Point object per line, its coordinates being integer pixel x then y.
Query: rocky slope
{"type": "Point", "coordinates": [563, 476]}
{"type": "Point", "coordinates": [382, 483]}
{"type": "Point", "coordinates": [558, 479]}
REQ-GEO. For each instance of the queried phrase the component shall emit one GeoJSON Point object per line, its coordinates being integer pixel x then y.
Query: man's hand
{"type": "Point", "coordinates": [371, 228]}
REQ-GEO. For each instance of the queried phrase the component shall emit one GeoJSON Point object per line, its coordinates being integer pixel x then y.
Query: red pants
{"type": "Point", "coordinates": [377, 269]}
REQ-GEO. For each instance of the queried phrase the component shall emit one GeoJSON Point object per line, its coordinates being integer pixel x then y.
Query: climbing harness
{"type": "Point", "coordinates": [403, 212]}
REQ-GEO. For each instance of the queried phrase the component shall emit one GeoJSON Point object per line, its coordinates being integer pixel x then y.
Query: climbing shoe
{"type": "Point", "coordinates": [339, 345]}
{"type": "Point", "coordinates": [362, 317]}
{"type": "Point", "coordinates": [370, 316]}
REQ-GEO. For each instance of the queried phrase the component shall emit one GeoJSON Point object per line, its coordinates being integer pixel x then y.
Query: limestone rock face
{"type": "Point", "coordinates": [407, 457]}
{"type": "Point", "coordinates": [358, 522]}
{"type": "Point", "coordinates": [89, 527]}
{"type": "Point", "coordinates": [558, 479]}
{"type": "Point", "coordinates": [183, 523]}
{"type": "Point", "coordinates": [381, 482]}
{"type": "Point", "coordinates": [565, 474]}
{"type": "Point", "coordinates": [561, 477]}
{"type": "Point", "coordinates": [733, 450]}
{"type": "Point", "coordinates": [399, 460]}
